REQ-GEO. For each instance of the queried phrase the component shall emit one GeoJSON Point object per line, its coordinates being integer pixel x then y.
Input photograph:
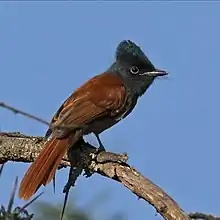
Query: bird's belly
{"type": "Point", "coordinates": [98, 126]}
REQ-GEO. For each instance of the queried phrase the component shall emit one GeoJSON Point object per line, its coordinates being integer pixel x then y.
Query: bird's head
{"type": "Point", "coordinates": [135, 68]}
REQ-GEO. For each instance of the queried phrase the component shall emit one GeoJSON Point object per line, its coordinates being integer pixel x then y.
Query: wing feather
{"type": "Point", "coordinates": [101, 95]}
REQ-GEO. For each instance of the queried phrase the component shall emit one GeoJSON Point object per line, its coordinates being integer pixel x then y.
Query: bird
{"type": "Point", "coordinates": [94, 107]}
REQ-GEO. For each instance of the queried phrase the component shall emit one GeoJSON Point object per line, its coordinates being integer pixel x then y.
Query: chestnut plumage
{"type": "Point", "coordinates": [97, 105]}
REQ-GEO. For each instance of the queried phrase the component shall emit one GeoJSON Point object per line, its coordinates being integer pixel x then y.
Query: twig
{"type": "Point", "coordinates": [17, 111]}
{"type": "Point", "coordinates": [203, 216]}
{"type": "Point", "coordinates": [29, 203]}
{"type": "Point", "coordinates": [73, 175]}
{"type": "Point", "coordinates": [52, 126]}
{"type": "Point", "coordinates": [12, 197]}
{"type": "Point", "coordinates": [1, 169]}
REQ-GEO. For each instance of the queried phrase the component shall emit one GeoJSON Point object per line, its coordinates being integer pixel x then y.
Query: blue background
{"type": "Point", "coordinates": [49, 49]}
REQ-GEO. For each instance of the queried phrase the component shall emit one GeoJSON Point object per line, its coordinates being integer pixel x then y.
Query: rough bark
{"type": "Point", "coordinates": [21, 148]}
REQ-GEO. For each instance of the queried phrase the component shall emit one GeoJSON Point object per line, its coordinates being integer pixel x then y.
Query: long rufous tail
{"type": "Point", "coordinates": [43, 169]}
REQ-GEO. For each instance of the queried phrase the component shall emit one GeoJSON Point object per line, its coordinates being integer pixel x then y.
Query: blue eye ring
{"type": "Point", "coordinates": [134, 70]}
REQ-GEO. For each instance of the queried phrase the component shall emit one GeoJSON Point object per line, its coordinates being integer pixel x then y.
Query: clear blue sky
{"type": "Point", "coordinates": [49, 49]}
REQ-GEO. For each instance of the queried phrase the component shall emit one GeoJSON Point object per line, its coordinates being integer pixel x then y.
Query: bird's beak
{"type": "Point", "coordinates": [156, 73]}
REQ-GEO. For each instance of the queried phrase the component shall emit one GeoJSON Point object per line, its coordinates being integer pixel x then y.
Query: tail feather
{"type": "Point", "coordinates": [43, 168]}
{"type": "Point", "coordinates": [53, 169]}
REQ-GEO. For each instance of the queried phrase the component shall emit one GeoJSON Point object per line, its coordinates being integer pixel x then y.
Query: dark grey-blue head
{"type": "Point", "coordinates": [134, 67]}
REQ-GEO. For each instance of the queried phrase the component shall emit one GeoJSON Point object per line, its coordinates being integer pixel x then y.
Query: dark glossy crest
{"type": "Point", "coordinates": [127, 47]}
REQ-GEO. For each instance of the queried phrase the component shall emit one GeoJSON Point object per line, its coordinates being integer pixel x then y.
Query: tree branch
{"type": "Point", "coordinates": [202, 216]}
{"type": "Point", "coordinates": [21, 148]}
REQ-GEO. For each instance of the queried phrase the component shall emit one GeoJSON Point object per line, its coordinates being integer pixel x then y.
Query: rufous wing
{"type": "Point", "coordinates": [101, 95]}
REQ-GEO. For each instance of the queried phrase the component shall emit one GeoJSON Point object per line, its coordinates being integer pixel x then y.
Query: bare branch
{"type": "Point", "coordinates": [202, 216]}
{"type": "Point", "coordinates": [17, 111]}
{"type": "Point", "coordinates": [21, 148]}
{"type": "Point", "coordinates": [52, 126]}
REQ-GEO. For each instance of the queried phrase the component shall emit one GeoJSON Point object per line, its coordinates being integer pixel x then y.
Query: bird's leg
{"type": "Point", "coordinates": [101, 147]}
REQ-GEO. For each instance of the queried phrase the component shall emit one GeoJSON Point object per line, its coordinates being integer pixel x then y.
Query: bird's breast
{"type": "Point", "coordinates": [99, 125]}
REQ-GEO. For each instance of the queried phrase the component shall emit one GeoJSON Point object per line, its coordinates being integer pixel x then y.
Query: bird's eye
{"type": "Point", "coordinates": [134, 70]}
